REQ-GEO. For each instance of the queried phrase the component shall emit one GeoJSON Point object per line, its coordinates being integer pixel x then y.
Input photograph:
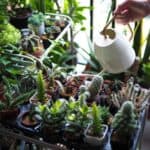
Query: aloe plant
{"type": "Point", "coordinates": [12, 98]}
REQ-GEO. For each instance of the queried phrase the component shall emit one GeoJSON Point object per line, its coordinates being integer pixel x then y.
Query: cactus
{"type": "Point", "coordinates": [95, 85]}
{"type": "Point", "coordinates": [40, 87]}
{"type": "Point", "coordinates": [96, 120]}
{"type": "Point", "coordinates": [124, 122]}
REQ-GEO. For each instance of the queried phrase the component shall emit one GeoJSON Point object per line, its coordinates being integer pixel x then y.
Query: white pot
{"type": "Point", "coordinates": [96, 141]}
{"type": "Point", "coordinates": [115, 55]}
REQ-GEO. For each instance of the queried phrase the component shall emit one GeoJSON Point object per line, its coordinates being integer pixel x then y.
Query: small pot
{"type": "Point", "coordinates": [72, 132]}
{"type": "Point", "coordinates": [121, 142]}
{"type": "Point", "coordinates": [27, 121]}
{"type": "Point", "coordinates": [9, 114]}
{"type": "Point", "coordinates": [96, 141]}
{"type": "Point", "coordinates": [51, 132]}
{"type": "Point", "coordinates": [20, 21]}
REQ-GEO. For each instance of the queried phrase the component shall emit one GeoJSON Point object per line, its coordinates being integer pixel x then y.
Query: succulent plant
{"type": "Point", "coordinates": [124, 122]}
{"type": "Point", "coordinates": [95, 85]}
{"type": "Point", "coordinates": [40, 87]}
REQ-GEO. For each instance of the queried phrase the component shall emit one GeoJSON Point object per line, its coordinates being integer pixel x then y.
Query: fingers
{"type": "Point", "coordinates": [124, 17]}
{"type": "Point", "coordinates": [121, 8]}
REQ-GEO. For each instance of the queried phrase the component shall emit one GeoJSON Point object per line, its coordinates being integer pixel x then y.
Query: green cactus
{"type": "Point", "coordinates": [40, 87]}
{"type": "Point", "coordinates": [124, 122]}
{"type": "Point", "coordinates": [95, 85]}
{"type": "Point", "coordinates": [96, 120]}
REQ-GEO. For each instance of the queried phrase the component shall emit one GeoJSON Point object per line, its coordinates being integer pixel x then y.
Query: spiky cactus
{"type": "Point", "coordinates": [124, 122]}
{"type": "Point", "coordinates": [96, 120]}
{"type": "Point", "coordinates": [95, 85]}
{"type": "Point", "coordinates": [40, 87]}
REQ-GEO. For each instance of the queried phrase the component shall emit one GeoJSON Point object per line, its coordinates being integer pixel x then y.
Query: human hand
{"type": "Point", "coordinates": [132, 10]}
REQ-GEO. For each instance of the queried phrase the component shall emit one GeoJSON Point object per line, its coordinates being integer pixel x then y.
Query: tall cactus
{"type": "Point", "coordinates": [40, 87]}
{"type": "Point", "coordinates": [95, 85]}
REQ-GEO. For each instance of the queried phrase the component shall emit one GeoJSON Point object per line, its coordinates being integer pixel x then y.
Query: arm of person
{"type": "Point", "coordinates": [132, 10]}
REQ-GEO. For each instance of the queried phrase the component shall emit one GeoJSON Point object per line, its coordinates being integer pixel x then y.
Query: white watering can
{"type": "Point", "coordinates": [113, 50]}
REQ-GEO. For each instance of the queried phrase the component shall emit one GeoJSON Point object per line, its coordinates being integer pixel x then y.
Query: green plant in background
{"type": "Point", "coordinates": [60, 56]}
{"type": "Point", "coordinates": [36, 19]}
{"type": "Point", "coordinates": [12, 64]}
{"type": "Point", "coordinates": [9, 34]}
{"type": "Point", "coordinates": [137, 41]}
{"type": "Point", "coordinates": [3, 11]}
{"type": "Point", "coordinates": [12, 98]}
{"type": "Point", "coordinates": [93, 64]}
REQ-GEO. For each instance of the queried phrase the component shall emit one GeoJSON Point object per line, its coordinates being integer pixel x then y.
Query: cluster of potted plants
{"type": "Point", "coordinates": [73, 120]}
{"type": "Point", "coordinates": [45, 98]}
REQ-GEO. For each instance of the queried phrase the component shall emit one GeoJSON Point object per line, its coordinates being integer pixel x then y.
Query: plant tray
{"type": "Point", "coordinates": [25, 138]}
{"type": "Point", "coordinates": [64, 31]}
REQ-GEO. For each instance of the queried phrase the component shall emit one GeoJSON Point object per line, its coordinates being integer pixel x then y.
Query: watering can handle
{"type": "Point", "coordinates": [130, 29]}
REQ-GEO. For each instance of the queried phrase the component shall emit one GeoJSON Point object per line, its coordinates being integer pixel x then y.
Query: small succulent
{"type": "Point", "coordinates": [36, 19]}
{"type": "Point", "coordinates": [95, 85]}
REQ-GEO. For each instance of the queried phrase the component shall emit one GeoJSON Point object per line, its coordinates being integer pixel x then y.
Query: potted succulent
{"type": "Point", "coordinates": [40, 96]}
{"type": "Point", "coordinates": [53, 120]}
{"type": "Point", "coordinates": [124, 125]}
{"type": "Point", "coordinates": [52, 32]}
{"type": "Point", "coordinates": [76, 119]}
{"type": "Point", "coordinates": [9, 107]}
{"type": "Point", "coordinates": [96, 133]}
{"type": "Point", "coordinates": [36, 23]}
{"type": "Point", "coordinates": [31, 43]}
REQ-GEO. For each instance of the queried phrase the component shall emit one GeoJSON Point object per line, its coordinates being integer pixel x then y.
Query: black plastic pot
{"type": "Point", "coordinates": [51, 133]}
{"type": "Point", "coordinates": [33, 128]}
{"type": "Point", "coordinates": [20, 20]}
